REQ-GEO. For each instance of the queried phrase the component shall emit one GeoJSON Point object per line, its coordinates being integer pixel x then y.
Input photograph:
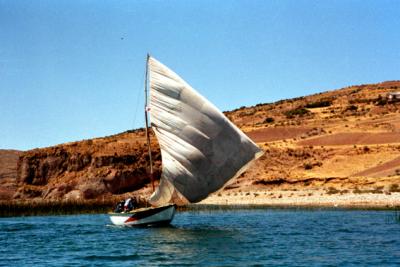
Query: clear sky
{"type": "Point", "coordinates": [73, 70]}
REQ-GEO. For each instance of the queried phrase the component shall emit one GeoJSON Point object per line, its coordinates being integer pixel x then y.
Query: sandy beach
{"type": "Point", "coordinates": [305, 198]}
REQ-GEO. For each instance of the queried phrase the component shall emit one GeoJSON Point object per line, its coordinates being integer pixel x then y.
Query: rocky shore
{"type": "Point", "coordinates": [306, 199]}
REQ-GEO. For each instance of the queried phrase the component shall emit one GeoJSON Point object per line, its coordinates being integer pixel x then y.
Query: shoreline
{"type": "Point", "coordinates": [257, 199]}
{"type": "Point", "coordinates": [307, 199]}
{"type": "Point", "coordinates": [206, 207]}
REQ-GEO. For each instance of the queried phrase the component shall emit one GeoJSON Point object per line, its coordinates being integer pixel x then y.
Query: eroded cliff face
{"type": "Point", "coordinates": [8, 172]}
{"type": "Point", "coordinates": [88, 169]}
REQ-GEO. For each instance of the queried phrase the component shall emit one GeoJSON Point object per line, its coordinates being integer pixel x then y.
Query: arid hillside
{"type": "Point", "coordinates": [347, 139]}
{"type": "Point", "coordinates": [90, 169]}
{"type": "Point", "coordinates": [338, 141]}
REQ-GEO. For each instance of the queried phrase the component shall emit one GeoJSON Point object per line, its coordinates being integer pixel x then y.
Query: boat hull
{"type": "Point", "coordinates": [153, 216]}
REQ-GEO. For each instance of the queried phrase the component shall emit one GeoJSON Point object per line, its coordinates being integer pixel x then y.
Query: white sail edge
{"type": "Point", "coordinates": [176, 108]}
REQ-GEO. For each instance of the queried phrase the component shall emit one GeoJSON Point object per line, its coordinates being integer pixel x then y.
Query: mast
{"type": "Point", "coordinates": [147, 122]}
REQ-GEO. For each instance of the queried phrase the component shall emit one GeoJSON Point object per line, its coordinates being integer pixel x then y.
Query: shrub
{"type": "Point", "coordinates": [357, 191]}
{"type": "Point", "coordinates": [377, 190]}
{"type": "Point", "coordinates": [262, 104]}
{"type": "Point", "coordinates": [269, 120]}
{"type": "Point", "coordinates": [332, 190]}
{"type": "Point", "coordinates": [247, 113]}
{"type": "Point", "coordinates": [360, 101]}
{"type": "Point", "coordinates": [351, 108]}
{"type": "Point", "coordinates": [394, 188]}
{"type": "Point", "coordinates": [300, 111]}
{"type": "Point", "coordinates": [344, 191]}
{"type": "Point", "coordinates": [308, 166]}
{"type": "Point", "coordinates": [319, 104]}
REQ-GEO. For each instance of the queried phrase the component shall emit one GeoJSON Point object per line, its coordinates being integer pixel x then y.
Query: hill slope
{"type": "Point", "coordinates": [346, 139]}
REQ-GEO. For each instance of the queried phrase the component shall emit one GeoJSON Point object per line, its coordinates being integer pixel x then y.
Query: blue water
{"type": "Point", "coordinates": [207, 238]}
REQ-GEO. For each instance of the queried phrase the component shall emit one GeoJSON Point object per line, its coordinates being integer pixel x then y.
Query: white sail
{"type": "Point", "coordinates": [201, 149]}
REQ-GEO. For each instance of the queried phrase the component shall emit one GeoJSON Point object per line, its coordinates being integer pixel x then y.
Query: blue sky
{"type": "Point", "coordinates": [73, 70]}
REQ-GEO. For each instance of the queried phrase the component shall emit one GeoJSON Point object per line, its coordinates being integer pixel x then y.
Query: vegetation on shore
{"type": "Point", "coordinates": [35, 208]}
{"type": "Point", "coordinates": [42, 208]}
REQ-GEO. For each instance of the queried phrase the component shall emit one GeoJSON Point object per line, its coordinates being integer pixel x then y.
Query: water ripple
{"type": "Point", "coordinates": [214, 238]}
{"type": "Point", "coordinates": [111, 258]}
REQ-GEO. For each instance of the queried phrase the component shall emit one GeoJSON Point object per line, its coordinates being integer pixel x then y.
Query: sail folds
{"type": "Point", "coordinates": [201, 149]}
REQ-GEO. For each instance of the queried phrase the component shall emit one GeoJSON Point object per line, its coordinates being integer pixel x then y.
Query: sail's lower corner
{"type": "Point", "coordinates": [167, 193]}
{"type": "Point", "coordinates": [242, 169]}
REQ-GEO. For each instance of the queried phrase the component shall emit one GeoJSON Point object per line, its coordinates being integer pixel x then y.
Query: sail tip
{"type": "Point", "coordinates": [259, 154]}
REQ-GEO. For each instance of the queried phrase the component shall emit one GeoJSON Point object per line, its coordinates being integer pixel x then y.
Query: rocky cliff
{"type": "Point", "coordinates": [8, 172]}
{"type": "Point", "coordinates": [87, 169]}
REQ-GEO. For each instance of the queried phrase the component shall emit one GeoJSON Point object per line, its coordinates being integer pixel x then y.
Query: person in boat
{"type": "Point", "coordinates": [126, 205]}
{"type": "Point", "coordinates": [120, 207]}
{"type": "Point", "coordinates": [130, 204]}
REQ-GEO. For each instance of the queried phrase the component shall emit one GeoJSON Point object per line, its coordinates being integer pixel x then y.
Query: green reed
{"type": "Point", "coordinates": [44, 207]}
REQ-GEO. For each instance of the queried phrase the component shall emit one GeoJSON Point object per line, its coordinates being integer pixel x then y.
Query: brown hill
{"type": "Point", "coordinates": [87, 169]}
{"type": "Point", "coordinates": [346, 139]}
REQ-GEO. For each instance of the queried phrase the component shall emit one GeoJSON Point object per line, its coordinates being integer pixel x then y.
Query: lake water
{"type": "Point", "coordinates": [262, 237]}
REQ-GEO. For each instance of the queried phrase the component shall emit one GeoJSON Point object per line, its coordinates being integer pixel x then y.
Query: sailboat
{"type": "Point", "coordinates": [201, 150]}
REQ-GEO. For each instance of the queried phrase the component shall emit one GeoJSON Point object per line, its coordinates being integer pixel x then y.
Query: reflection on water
{"type": "Point", "coordinates": [396, 216]}
{"type": "Point", "coordinates": [215, 238]}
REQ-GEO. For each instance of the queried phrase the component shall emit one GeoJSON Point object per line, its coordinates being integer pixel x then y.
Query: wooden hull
{"type": "Point", "coordinates": [153, 216]}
